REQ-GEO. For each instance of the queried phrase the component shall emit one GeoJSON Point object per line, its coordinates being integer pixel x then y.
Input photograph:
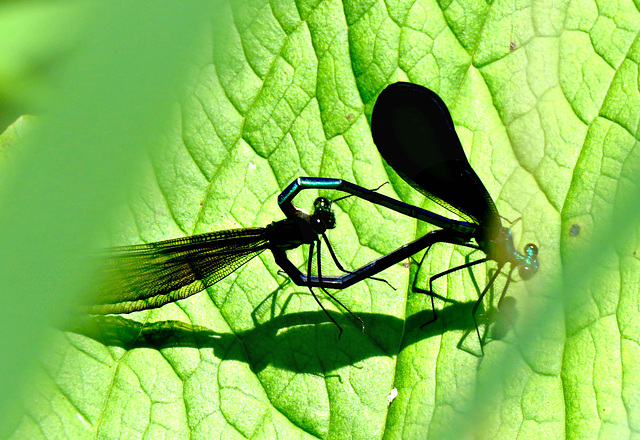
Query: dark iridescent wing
{"type": "Point", "coordinates": [150, 275]}
{"type": "Point", "coordinates": [414, 132]}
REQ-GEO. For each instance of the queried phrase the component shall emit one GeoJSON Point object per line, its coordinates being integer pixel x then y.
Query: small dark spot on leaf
{"type": "Point", "coordinates": [349, 117]}
{"type": "Point", "coordinates": [406, 264]}
{"type": "Point", "coordinates": [575, 230]}
{"type": "Point", "coordinates": [512, 46]}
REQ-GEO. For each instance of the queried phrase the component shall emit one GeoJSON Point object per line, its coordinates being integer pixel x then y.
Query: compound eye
{"type": "Point", "coordinates": [531, 249]}
{"type": "Point", "coordinates": [322, 203]}
{"type": "Point", "coordinates": [527, 271]}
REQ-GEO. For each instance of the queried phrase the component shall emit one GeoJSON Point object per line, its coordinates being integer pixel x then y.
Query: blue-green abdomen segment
{"type": "Point", "coordinates": [301, 183]}
{"type": "Point", "coordinates": [287, 196]}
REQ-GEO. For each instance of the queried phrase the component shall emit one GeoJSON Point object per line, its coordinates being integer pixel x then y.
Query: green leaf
{"type": "Point", "coordinates": [545, 100]}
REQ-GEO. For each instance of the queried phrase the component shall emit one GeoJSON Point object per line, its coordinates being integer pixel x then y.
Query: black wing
{"type": "Point", "coordinates": [414, 132]}
{"type": "Point", "coordinates": [150, 275]}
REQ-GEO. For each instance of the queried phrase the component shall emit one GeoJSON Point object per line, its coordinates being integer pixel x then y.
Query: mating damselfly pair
{"type": "Point", "coordinates": [414, 133]}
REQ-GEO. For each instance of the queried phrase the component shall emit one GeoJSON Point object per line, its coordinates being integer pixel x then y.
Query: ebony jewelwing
{"type": "Point", "coordinates": [453, 231]}
{"type": "Point", "coordinates": [414, 133]}
{"type": "Point", "coordinates": [148, 276]}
